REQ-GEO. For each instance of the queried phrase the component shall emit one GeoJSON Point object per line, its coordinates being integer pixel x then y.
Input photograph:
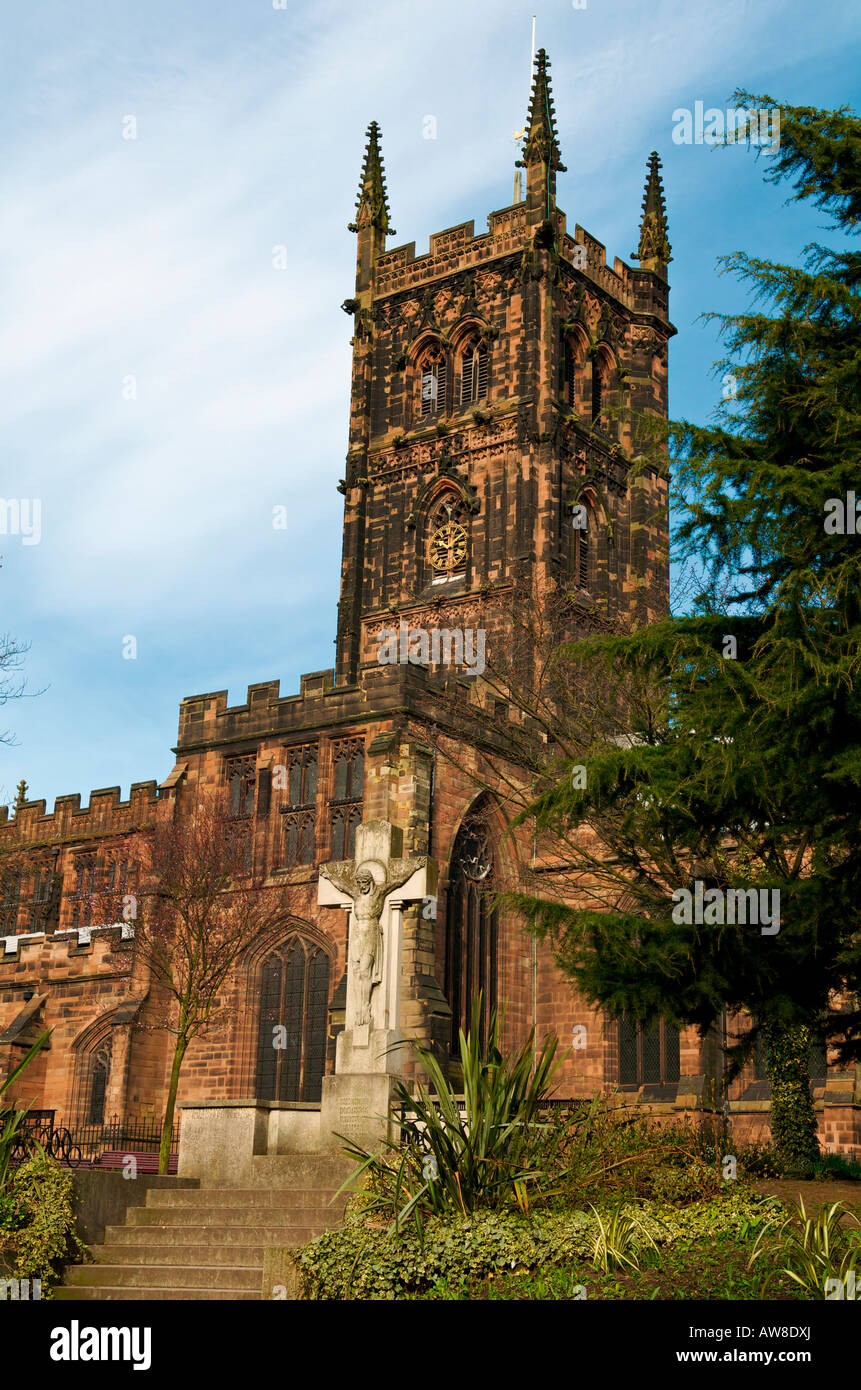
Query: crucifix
{"type": "Point", "coordinates": [373, 887]}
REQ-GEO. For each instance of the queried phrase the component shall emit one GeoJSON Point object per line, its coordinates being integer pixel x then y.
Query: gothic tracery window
{"type": "Point", "coordinates": [92, 1078]}
{"type": "Point", "coordinates": [347, 794]}
{"type": "Point", "coordinates": [293, 1022]}
{"type": "Point", "coordinates": [100, 1069]}
{"type": "Point", "coordinates": [471, 927]}
{"type": "Point", "coordinates": [300, 841]}
{"type": "Point", "coordinates": [83, 891]}
{"type": "Point", "coordinates": [241, 774]}
{"type": "Point", "coordinates": [10, 893]}
{"type": "Point", "coordinates": [602, 378]}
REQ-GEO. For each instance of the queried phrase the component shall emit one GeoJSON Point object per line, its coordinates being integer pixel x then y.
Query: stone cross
{"type": "Point", "coordinates": [367, 887]}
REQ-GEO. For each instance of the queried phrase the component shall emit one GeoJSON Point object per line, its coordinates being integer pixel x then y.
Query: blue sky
{"type": "Point", "coordinates": [163, 386]}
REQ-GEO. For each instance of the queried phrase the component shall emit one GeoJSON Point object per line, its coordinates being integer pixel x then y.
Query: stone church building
{"type": "Point", "coordinates": [484, 371]}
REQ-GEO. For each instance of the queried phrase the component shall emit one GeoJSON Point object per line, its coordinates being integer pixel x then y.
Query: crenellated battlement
{"type": "Point", "coordinates": [458, 248]}
{"type": "Point", "coordinates": [208, 721]}
{"type": "Point", "coordinates": [105, 813]}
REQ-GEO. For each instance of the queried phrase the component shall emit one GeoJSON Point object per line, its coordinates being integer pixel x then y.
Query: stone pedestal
{"type": "Point", "coordinates": [374, 889]}
{"type": "Point", "coordinates": [356, 1107]}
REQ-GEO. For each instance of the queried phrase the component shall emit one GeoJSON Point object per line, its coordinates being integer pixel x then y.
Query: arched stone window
{"type": "Point", "coordinates": [92, 1075]}
{"type": "Point", "coordinates": [293, 1022]}
{"type": "Point", "coordinates": [432, 373]}
{"type": "Point", "coordinates": [98, 1084]}
{"type": "Point", "coordinates": [299, 838]}
{"type": "Point", "coordinates": [345, 822]}
{"type": "Point", "coordinates": [473, 371]}
{"type": "Point", "coordinates": [471, 927]}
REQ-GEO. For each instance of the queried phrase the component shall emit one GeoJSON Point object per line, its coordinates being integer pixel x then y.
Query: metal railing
{"type": "Point", "coordinates": [77, 1144]}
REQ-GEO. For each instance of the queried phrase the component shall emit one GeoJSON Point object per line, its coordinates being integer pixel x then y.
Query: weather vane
{"type": "Point", "coordinates": [519, 134]}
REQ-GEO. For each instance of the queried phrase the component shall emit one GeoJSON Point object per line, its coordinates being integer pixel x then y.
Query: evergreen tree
{"type": "Point", "coordinates": [750, 777]}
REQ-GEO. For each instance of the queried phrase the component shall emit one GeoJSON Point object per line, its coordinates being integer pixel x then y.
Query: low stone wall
{"type": "Point", "coordinates": [220, 1138]}
{"type": "Point", "coordinates": [103, 1198]}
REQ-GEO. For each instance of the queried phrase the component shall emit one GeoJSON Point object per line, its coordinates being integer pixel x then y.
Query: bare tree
{"type": "Point", "coordinates": [12, 685]}
{"type": "Point", "coordinates": [197, 908]}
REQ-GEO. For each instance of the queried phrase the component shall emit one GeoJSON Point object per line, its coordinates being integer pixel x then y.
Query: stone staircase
{"type": "Point", "coordinates": [209, 1242]}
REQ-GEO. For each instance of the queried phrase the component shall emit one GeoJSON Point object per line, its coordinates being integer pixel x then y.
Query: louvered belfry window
{"type": "Point", "coordinates": [473, 379]}
{"type": "Point", "coordinates": [433, 382]}
{"type": "Point", "coordinates": [581, 554]}
{"type": "Point", "coordinates": [293, 1024]}
{"type": "Point", "coordinates": [597, 390]}
{"type": "Point", "coordinates": [570, 374]}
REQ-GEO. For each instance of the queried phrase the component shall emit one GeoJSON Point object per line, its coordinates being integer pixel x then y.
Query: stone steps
{"type": "Point", "coordinates": [91, 1292]}
{"type": "Point", "coordinates": [212, 1214]}
{"type": "Point", "coordinates": [210, 1243]}
{"type": "Point", "coordinates": [234, 1236]}
{"type": "Point", "coordinates": [244, 1197]}
{"type": "Point", "coordinates": [173, 1276]}
{"type": "Point", "coordinates": [188, 1255]}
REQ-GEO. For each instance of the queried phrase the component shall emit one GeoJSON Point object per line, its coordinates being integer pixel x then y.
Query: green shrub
{"type": "Point", "coordinates": [10, 1217]}
{"type": "Point", "coordinates": [758, 1160]}
{"type": "Point", "coordinates": [11, 1117]}
{"type": "Point", "coordinates": [447, 1161]}
{"type": "Point", "coordinates": [684, 1183]}
{"type": "Point", "coordinates": [836, 1166]}
{"type": "Point", "coordinates": [812, 1249]}
{"type": "Point", "coordinates": [45, 1240]}
{"type": "Point", "coordinates": [374, 1262]}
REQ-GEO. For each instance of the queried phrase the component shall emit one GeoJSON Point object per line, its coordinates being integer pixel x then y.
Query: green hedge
{"type": "Point", "coordinates": [361, 1261]}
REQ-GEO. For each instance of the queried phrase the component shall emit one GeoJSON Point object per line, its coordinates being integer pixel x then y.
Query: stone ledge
{"type": "Point", "coordinates": [249, 1103]}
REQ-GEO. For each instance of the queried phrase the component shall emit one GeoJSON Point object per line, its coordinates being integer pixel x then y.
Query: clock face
{"type": "Point", "coordinates": [447, 547]}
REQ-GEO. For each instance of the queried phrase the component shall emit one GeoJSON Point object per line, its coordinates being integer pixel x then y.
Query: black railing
{"type": "Point", "coordinates": [77, 1144]}
{"type": "Point", "coordinates": [121, 1135]}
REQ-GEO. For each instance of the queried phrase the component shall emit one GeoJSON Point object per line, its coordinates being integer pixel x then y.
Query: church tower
{"type": "Point", "coordinates": [499, 385]}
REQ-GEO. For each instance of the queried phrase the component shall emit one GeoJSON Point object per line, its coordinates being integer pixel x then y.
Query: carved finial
{"type": "Point", "coordinates": [541, 143]}
{"type": "Point", "coordinates": [21, 795]}
{"type": "Point", "coordinates": [372, 205]}
{"type": "Point", "coordinates": [653, 251]}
